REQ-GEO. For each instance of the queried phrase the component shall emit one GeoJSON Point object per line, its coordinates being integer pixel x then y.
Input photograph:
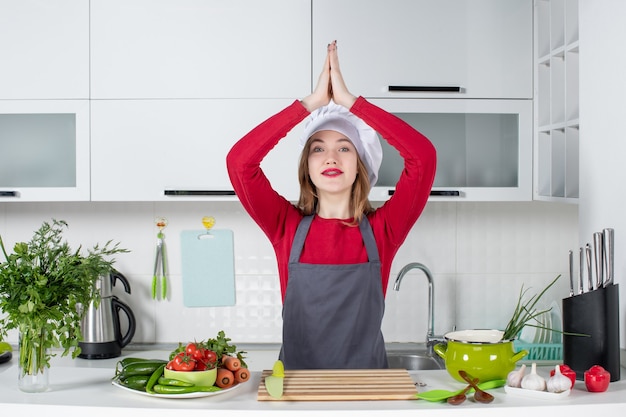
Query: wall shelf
{"type": "Point", "coordinates": [556, 101]}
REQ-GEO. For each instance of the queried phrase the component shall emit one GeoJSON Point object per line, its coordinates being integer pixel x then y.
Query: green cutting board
{"type": "Point", "coordinates": [208, 268]}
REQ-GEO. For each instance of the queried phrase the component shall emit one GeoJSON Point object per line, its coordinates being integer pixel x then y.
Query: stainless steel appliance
{"type": "Point", "coordinates": [102, 334]}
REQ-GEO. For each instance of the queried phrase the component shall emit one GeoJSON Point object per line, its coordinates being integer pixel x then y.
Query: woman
{"type": "Point", "coordinates": [334, 252]}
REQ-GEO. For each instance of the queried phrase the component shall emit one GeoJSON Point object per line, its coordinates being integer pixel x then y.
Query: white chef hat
{"type": "Point", "coordinates": [339, 119]}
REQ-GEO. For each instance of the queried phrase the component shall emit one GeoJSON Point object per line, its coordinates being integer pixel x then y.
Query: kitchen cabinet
{"type": "Point", "coordinates": [45, 150]}
{"type": "Point", "coordinates": [165, 150]}
{"type": "Point", "coordinates": [484, 148]}
{"type": "Point", "coordinates": [426, 48]}
{"type": "Point", "coordinates": [44, 47]}
{"type": "Point", "coordinates": [557, 132]}
{"type": "Point", "coordinates": [200, 49]}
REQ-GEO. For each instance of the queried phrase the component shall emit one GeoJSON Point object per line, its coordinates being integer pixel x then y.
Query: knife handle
{"type": "Point", "coordinates": [609, 240]}
{"type": "Point", "coordinates": [581, 269]}
{"type": "Point", "coordinates": [571, 273]}
{"type": "Point", "coordinates": [589, 267]}
{"type": "Point", "coordinates": [598, 247]}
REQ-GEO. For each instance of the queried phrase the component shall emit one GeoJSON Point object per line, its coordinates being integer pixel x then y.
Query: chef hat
{"type": "Point", "coordinates": [364, 138]}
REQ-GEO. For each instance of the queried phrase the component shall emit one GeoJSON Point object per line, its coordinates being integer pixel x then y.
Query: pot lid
{"type": "Point", "coordinates": [476, 336]}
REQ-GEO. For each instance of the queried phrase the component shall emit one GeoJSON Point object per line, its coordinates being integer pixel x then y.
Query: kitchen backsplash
{"type": "Point", "coordinates": [480, 255]}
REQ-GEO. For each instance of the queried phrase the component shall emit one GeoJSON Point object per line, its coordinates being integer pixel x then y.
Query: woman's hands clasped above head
{"type": "Point", "coordinates": [330, 84]}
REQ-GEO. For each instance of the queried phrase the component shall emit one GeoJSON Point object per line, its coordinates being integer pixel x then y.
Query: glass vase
{"type": "Point", "coordinates": [32, 365]}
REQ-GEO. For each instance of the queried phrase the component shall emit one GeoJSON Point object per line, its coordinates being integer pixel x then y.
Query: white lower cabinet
{"type": "Point", "coordinates": [44, 150]}
{"type": "Point", "coordinates": [484, 148]}
{"type": "Point", "coordinates": [175, 150]}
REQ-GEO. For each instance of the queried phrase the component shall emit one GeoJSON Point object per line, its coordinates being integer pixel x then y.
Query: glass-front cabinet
{"type": "Point", "coordinates": [44, 150]}
{"type": "Point", "coordinates": [484, 148]}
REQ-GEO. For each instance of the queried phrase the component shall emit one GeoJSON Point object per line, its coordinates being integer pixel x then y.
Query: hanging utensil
{"type": "Point", "coordinates": [160, 263]}
{"type": "Point", "coordinates": [609, 252]}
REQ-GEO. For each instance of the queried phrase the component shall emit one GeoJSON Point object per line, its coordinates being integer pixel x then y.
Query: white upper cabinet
{"type": "Point", "coordinates": [200, 49]}
{"type": "Point", "coordinates": [427, 48]}
{"type": "Point", "coordinates": [175, 150]}
{"type": "Point", "coordinates": [44, 49]}
{"type": "Point", "coordinates": [484, 148]}
{"type": "Point", "coordinates": [44, 150]}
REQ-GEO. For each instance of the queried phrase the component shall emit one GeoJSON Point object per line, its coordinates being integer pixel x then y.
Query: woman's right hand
{"type": "Point", "coordinates": [322, 93]}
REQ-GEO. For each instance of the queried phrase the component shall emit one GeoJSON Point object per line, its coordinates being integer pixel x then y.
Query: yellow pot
{"type": "Point", "coordinates": [481, 353]}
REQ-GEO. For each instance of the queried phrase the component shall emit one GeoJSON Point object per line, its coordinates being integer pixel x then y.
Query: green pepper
{"type": "Point", "coordinates": [174, 382]}
{"type": "Point", "coordinates": [141, 368]}
{"type": "Point", "coordinates": [136, 382]}
{"type": "Point", "coordinates": [127, 361]}
{"type": "Point", "coordinates": [154, 378]}
{"type": "Point", "coordinates": [171, 389]}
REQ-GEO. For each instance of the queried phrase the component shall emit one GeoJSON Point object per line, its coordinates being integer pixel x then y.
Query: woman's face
{"type": "Point", "coordinates": [332, 162]}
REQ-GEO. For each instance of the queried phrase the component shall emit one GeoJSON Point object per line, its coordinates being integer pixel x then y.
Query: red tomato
{"type": "Point", "coordinates": [183, 362]}
{"type": "Point", "coordinates": [597, 379]}
{"type": "Point", "coordinates": [191, 349]}
{"type": "Point", "coordinates": [568, 372]}
{"type": "Point", "coordinates": [210, 357]}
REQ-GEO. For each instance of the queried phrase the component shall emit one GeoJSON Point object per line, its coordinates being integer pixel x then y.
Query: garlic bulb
{"type": "Point", "coordinates": [533, 380]}
{"type": "Point", "coordinates": [558, 382]}
{"type": "Point", "coordinates": [514, 378]}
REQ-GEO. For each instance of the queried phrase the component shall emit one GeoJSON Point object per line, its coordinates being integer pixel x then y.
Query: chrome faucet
{"type": "Point", "coordinates": [430, 335]}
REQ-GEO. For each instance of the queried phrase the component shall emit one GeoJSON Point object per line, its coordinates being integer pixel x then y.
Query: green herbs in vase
{"type": "Point", "coordinates": [43, 283]}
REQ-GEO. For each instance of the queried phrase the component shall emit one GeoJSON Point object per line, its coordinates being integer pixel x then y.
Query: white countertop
{"type": "Point", "coordinates": [82, 388]}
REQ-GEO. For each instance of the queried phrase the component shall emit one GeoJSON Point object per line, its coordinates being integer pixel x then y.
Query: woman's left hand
{"type": "Point", "coordinates": [340, 93]}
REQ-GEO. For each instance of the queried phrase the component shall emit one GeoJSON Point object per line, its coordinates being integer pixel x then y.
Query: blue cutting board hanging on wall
{"type": "Point", "coordinates": [208, 268]}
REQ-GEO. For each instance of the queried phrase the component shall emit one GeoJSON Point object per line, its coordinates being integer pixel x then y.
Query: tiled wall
{"type": "Point", "coordinates": [479, 253]}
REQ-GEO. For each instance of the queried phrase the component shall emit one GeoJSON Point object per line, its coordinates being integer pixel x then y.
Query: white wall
{"type": "Point", "coordinates": [480, 255]}
{"type": "Point", "coordinates": [602, 140]}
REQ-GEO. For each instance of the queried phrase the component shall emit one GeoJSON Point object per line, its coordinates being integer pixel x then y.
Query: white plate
{"type": "Point", "coordinates": [529, 393]}
{"type": "Point", "coordinates": [178, 396]}
{"type": "Point", "coordinates": [528, 334]}
{"type": "Point", "coordinates": [557, 324]}
{"type": "Point", "coordinates": [546, 318]}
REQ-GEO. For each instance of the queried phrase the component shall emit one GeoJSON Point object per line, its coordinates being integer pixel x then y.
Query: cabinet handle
{"type": "Point", "coordinates": [187, 193]}
{"type": "Point", "coordinates": [445, 193]}
{"type": "Point", "coordinates": [8, 193]}
{"type": "Point", "coordinates": [426, 88]}
{"type": "Point", "coordinates": [438, 193]}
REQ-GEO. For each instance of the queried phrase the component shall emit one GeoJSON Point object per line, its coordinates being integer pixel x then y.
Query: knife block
{"type": "Point", "coordinates": [594, 313]}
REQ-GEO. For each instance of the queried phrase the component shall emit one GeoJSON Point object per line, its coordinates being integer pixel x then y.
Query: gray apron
{"type": "Point", "coordinates": [332, 314]}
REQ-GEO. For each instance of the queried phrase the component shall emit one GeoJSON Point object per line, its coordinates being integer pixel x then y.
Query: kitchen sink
{"type": "Point", "coordinates": [413, 362]}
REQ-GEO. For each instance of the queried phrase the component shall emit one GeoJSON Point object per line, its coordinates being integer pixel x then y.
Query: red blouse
{"type": "Point", "coordinates": [330, 241]}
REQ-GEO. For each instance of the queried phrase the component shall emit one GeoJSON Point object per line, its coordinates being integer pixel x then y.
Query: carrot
{"type": "Point", "coordinates": [225, 378]}
{"type": "Point", "coordinates": [231, 363]}
{"type": "Point", "coordinates": [242, 375]}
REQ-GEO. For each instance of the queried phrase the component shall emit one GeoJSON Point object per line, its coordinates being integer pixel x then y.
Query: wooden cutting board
{"type": "Point", "coordinates": [343, 385]}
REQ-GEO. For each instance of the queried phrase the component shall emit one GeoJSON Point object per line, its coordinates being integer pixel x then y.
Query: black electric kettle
{"type": "Point", "coordinates": [100, 326]}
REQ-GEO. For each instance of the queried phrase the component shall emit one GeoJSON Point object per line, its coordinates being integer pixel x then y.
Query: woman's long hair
{"type": "Point", "coordinates": [308, 202]}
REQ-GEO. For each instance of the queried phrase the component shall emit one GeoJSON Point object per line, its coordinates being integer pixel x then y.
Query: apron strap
{"type": "Point", "coordinates": [298, 241]}
{"type": "Point", "coordinates": [303, 229]}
